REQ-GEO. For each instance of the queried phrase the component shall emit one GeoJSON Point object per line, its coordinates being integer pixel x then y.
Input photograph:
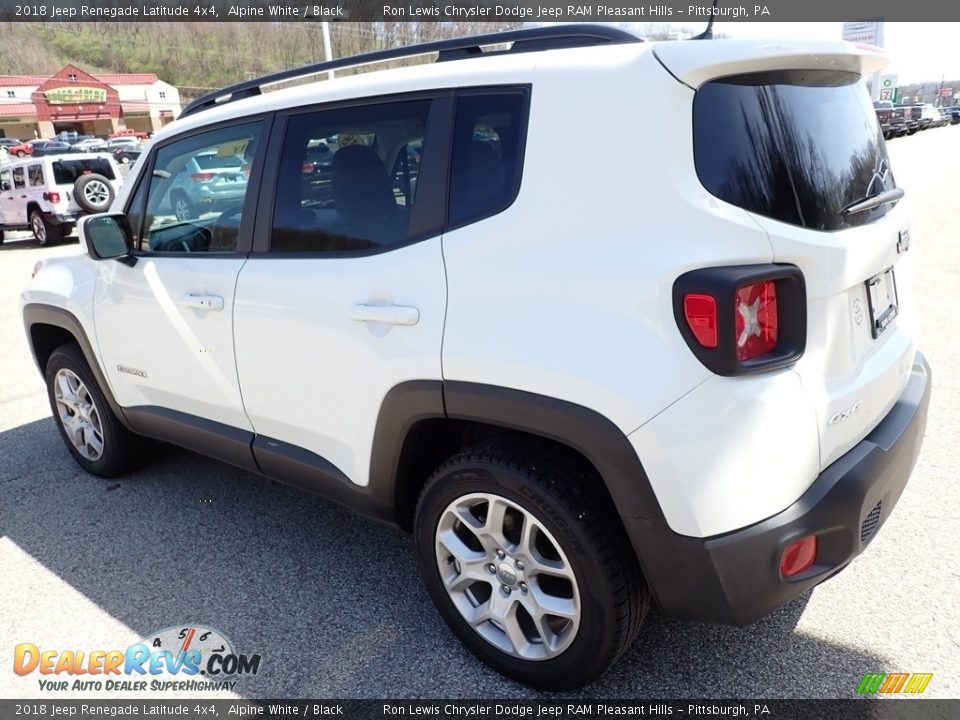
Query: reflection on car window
{"type": "Point", "coordinates": [35, 175]}
{"type": "Point", "coordinates": [198, 191]}
{"type": "Point", "coordinates": [18, 179]}
{"type": "Point", "coordinates": [348, 178]}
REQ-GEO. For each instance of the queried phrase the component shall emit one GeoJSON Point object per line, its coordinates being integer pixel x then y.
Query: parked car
{"type": "Point", "coordinates": [52, 147]}
{"type": "Point", "coordinates": [954, 111]}
{"type": "Point", "coordinates": [23, 149]}
{"type": "Point", "coordinates": [47, 195]}
{"type": "Point", "coordinates": [127, 132]}
{"type": "Point", "coordinates": [91, 144]}
{"type": "Point", "coordinates": [9, 143]}
{"type": "Point", "coordinates": [891, 119]}
{"type": "Point", "coordinates": [207, 182]}
{"type": "Point", "coordinates": [912, 118]}
{"type": "Point", "coordinates": [930, 117]}
{"type": "Point", "coordinates": [578, 397]}
{"type": "Point", "coordinates": [125, 153]}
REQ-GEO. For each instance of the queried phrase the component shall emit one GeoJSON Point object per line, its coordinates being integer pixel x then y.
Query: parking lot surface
{"type": "Point", "coordinates": [334, 604]}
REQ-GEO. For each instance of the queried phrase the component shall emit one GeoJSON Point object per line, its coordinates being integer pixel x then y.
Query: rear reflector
{"type": "Point", "coordinates": [700, 312]}
{"type": "Point", "coordinates": [755, 309]}
{"type": "Point", "coordinates": [798, 556]}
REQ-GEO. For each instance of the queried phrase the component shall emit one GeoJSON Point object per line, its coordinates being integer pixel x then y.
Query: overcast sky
{"type": "Point", "coordinates": [918, 51]}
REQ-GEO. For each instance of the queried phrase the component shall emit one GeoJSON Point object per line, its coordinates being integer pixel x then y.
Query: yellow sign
{"type": "Point", "coordinates": [75, 94]}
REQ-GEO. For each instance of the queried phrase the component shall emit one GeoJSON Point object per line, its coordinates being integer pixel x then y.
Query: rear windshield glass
{"type": "Point", "coordinates": [212, 161]}
{"type": "Point", "coordinates": [67, 172]}
{"type": "Point", "coordinates": [794, 146]}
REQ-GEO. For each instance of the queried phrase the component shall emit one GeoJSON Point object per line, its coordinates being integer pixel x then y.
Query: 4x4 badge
{"type": "Point", "coordinates": [903, 242]}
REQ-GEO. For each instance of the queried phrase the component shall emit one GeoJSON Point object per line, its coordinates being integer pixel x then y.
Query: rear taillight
{"type": "Point", "coordinates": [741, 319]}
{"type": "Point", "coordinates": [202, 177]}
{"type": "Point", "coordinates": [53, 197]}
{"type": "Point", "coordinates": [308, 168]}
{"type": "Point", "coordinates": [700, 312]}
{"type": "Point", "coordinates": [798, 556]}
{"type": "Point", "coordinates": [756, 321]}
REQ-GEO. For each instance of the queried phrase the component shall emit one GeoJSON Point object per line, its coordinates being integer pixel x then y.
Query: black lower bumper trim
{"type": "Point", "coordinates": [735, 578]}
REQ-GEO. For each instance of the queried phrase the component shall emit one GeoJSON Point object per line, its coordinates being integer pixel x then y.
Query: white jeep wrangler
{"type": "Point", "coordinates": [679, 369]}
{"type": "Point", "coordinates": [47, 195]}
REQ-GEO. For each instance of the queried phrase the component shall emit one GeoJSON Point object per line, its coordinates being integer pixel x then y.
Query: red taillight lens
{"type": "Point", "coordinates": [308, 168]}
{"type": "Point", "coordinates": [701, 314]}
{"type": "Point", "coordinates": [202, 177]}
{"type": "Point", "coordinates": [755, 310]}
{"type": "Point", "coordinates": [798, 556]}
{"type": "Point", "coordinates": [53, 197]}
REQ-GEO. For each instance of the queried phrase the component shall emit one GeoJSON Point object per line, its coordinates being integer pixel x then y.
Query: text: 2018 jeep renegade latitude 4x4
{"type": "Point", "coordinates": [681, 369]}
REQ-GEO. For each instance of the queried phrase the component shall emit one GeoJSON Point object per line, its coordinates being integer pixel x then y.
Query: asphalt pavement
{"type": "Point", "coordinates": [334, 604]}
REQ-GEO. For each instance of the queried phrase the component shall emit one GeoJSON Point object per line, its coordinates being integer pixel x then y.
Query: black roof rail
{"type": "Point", "coordinates": [523, 40]}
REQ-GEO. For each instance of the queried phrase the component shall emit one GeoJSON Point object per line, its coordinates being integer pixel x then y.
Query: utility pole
{"type": "Point", "coordinates": [327, 50]}
{"type": "Point", "coordinates": [940, 91]}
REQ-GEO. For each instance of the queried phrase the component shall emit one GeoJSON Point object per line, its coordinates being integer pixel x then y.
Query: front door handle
{"type": "Point", "coordinates": [389, 314]}
{"type": "Point", "coordinates": [203, 302]}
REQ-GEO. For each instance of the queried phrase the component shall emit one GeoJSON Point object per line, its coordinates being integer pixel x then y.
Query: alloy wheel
{"type": "Point", "coordinates": [96, 192]}
{"type": "Point", "coordinates": [39, 229]}
{"type": "Point", "coordinates": [78, 413]}
{"type": "Point", "coordinates": [508, 576]}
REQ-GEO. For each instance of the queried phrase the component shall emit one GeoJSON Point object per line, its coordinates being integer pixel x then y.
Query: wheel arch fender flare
{"type": "Point", "coordinates": [588, 432]}
{"type": "Point", "coordinates": [39, 314]}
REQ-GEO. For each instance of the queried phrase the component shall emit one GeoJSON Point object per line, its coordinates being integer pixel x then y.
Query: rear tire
{"type": "Point", "coordinates": [45, 232]}
{"type": "Point", "coordinates": [182, 207]}
{"type": "Point", "coordinates": [98, 441]}
{"type": "Point", "coordinates": [579, 563]}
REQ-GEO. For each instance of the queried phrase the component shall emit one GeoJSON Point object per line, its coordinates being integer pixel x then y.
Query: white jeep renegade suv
{"type": "Point", "coordinates": [679, 370]}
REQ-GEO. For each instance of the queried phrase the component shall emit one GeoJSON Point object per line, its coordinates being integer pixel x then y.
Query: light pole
{"type": "Point", "coordinates": [327, 50]}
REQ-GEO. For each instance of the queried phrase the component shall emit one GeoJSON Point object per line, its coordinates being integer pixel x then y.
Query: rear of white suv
{"type": "Point", "coordinates": [47, 195]}
{"type": "Point", "coordinates": [682, 365]}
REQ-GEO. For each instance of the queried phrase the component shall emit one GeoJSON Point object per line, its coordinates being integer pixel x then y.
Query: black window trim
{"type": "Point", "coordinates": [430, 212]}
{"type": "Point", "coordinates": [254, 184]}
{"type": "Point", "coordinates": [526, 91]}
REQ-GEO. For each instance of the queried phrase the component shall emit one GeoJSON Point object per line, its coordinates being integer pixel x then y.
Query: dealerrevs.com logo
{"type": "Point", "coordinates": [186, 659]}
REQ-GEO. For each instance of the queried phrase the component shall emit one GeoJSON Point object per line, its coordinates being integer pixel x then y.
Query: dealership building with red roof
{"type": "Point", "coordinates": [72, 100]}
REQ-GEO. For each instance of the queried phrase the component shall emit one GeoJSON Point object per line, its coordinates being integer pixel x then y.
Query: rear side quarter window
{"type": "Point", "coordinates": [487, 159]}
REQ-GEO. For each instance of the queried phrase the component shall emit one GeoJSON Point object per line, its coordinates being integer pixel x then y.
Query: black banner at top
{"type": "Point", "coordinates": [494, 709]}
{"type": "Point", "coordinates": [470, 10]}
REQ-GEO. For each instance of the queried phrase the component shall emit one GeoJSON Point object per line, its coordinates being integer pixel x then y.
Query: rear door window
{"type": "Point", "coordinates": [35, 174]}
{"type": "Point", "coordinates": [18, 178]}
{"type": "Point", "coordinates": [347, 180]}
{"type": "Point", "coordinates": [795, 146]}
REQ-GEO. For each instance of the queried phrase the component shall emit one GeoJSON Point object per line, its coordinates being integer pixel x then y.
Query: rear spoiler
{"type": "Point", "coordinates": [696, 63]}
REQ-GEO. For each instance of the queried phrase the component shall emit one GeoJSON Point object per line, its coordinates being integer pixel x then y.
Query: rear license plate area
{"type": "Point", "coordinates": [882, 301]}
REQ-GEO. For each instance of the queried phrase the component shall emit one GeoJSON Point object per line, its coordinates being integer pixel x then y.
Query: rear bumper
{"type": "Point", "coordinates": [735, 578]}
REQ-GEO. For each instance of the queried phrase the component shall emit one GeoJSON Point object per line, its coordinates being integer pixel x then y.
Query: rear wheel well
{"type": "Point", "coordinates": [31, 206]}
{"type": "Point", "coordinates": [47, 338]}
{"type": "Point", "coordinates": [431, 442]}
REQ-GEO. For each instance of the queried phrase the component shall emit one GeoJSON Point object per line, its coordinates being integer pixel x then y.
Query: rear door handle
{"type": "Point", "coordinates": [203, 302]}
{"type": "Point", "coordinates": [389, 314]}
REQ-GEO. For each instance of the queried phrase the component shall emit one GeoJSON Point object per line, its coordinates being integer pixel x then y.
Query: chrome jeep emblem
{"type": "Point", "coordinates": [506, 574]}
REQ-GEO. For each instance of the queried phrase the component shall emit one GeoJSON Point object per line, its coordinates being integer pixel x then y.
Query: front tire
{"type": "Point", "coordinates": [98, 441]}
{"type": "Point", "coordinates": [527, 564]}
